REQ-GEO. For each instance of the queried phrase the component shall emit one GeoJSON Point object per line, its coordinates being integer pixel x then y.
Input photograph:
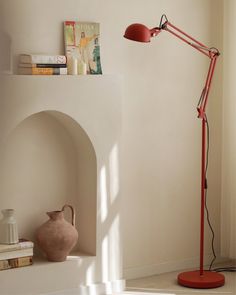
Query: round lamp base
{"type": "Point", "coordinates": [207, 280]}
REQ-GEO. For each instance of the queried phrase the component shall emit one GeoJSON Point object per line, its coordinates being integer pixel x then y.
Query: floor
{"type": "Point", "coordinates": [166, 284]}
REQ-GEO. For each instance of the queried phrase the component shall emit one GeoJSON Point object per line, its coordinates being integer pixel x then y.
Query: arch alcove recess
{"type": "Point", "coordinates": [71, 124]}
{"type": "Point", "coordinates": [49, 161]}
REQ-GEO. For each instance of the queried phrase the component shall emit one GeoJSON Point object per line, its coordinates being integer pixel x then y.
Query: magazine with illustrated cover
{"type": "Point", "coordinates": [82, 43]}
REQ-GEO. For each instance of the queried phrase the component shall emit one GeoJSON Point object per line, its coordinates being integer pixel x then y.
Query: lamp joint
{"type": "Point", "coordinates": [214, 52]}
{"type": "Point", "coordinates": [164, 26]}
{"type": "Point", "coordinates": [201, 113]}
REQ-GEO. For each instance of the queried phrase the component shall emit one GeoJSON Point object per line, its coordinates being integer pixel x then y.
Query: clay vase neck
{"type": "Point", "coordinates": [59, 215]}
{"type": "Point", "coordinates": [56, 215]}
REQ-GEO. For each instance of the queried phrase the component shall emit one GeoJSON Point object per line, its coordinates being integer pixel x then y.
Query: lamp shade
{"type": "Point", "coordinates": [138, 32]}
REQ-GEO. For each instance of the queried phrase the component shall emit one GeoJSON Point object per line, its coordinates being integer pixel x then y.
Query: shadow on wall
{"type": "Point", "coordinates": [5, 53]}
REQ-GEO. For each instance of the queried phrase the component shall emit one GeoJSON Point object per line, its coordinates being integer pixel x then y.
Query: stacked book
{"type": "Point", "coordinates": [30, 64]}
{"type": "Point", "coordinates": [16, 255]}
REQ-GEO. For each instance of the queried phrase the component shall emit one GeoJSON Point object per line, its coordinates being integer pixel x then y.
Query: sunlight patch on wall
{"type": "Point", "coordinates": [105, 260]}
{"type": "Point", "coordinates": [114, 238]}
{"type": "Point", "coordinates": [104, 197]}
{"type": "Point", "coordinates": [114, 172]}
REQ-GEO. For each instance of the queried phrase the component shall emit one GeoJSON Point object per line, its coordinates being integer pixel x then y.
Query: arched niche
{"type": "Point", "coordinates": [49, 160]}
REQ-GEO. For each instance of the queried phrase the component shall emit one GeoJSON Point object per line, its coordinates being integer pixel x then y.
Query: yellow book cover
{"type": "Point", "coordinates": [42, 71]}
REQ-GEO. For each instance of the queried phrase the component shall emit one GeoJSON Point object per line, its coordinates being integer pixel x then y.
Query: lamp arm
{"type": "Point", "coordinates": [210, 52]}
{"type": "Point", "coordinates": [205, 92]}
{"type": "Point", "coordinates": [167, 26]}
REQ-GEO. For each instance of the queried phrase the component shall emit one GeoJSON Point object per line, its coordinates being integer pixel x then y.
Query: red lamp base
{"type": "Point", "coordinates": [207, 280]}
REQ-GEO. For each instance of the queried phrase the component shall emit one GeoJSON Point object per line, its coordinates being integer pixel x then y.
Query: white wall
{"type": "Point", "coordinates": [161, 133]}
{"type": "Point", "coordinates": [229, 137]}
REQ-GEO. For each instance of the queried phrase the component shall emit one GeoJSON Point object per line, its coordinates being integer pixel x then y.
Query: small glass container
{"type": "Point", "coordinates": [8, 227]}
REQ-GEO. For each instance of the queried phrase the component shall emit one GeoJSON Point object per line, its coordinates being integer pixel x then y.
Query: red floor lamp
{"type": "Point", "coordinates": [202, 279]}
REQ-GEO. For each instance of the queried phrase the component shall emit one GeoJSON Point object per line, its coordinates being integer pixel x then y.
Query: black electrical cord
{"type": "Point", "coordinates": [206, 187]}
{"type": "Point", "coordinates": [219, 269]}
{"type": "Point", "coordinates": [228, 269]}
{"type": "Point", "coordinates": [201, 97]}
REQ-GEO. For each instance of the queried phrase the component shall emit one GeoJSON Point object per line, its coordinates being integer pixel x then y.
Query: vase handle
{"type": "Point", "coordinates": [72, 213]}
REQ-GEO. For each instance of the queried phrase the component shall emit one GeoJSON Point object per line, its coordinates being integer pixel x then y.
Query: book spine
{"type": "Point", "coordinates": [43, 59]}
{"type": "Point", "coordinates": [16, 262]}
{"type": "Point", "coordinates": [49, 71]}
{"type": "Point", "coordinates": [26, 245]}
{"type": "Point", "coordinates": [49, 65]}
{"type": "Point", "coordinates": [14, 247]}
{"type": "Point", "coordinates": [16, 254]}
{"type": "Point", "coordinates": [30, 65]}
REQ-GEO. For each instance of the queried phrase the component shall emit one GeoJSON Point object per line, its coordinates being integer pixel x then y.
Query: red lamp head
{"type": "Point", "coordinates": [140, 33]}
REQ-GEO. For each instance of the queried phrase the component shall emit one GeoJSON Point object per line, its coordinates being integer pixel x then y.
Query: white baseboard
{"type": "Point", "coordinates": [149, 270]}
{"type": "Point", "coordinates": [110, 287]}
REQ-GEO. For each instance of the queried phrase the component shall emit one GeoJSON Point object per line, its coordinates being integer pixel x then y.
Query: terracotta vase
{"type": "Point", "coordinates": [57, 237]}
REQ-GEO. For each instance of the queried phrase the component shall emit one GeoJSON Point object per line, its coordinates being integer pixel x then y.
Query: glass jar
{"type": "Point", "coordinates": [8, 227]}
